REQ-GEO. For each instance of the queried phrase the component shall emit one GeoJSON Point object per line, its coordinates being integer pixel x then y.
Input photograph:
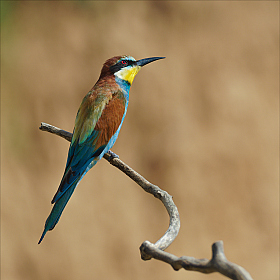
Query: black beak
{"type": "Point", "coordinates": [145, 61]}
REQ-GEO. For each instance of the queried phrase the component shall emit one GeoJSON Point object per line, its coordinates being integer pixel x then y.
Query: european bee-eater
{"type": "Point", "coordinates": [97, 126]}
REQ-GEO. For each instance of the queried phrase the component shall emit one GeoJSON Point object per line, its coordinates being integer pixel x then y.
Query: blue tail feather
{"type": "Point", "coordinates": [57, 209]}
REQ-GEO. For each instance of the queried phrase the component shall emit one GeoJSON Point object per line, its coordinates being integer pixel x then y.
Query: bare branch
{"type": "Point", "coordinates": [55, 130]}
{"type": "Point", "coordinates": [218, 263]}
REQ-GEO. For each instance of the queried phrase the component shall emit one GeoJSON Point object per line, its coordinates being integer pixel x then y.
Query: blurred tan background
{"type": "Point", "coordinates": [202, 124]}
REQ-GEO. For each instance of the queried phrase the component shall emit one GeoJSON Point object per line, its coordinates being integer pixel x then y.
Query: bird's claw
{"type": "Point", "coordinates": [112, 155]}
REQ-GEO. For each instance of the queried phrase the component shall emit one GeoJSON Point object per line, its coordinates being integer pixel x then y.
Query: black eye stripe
{"type": "Point", "coordinates": [121, 64]}
{"type": "Point", "coordinates": [126, 62]}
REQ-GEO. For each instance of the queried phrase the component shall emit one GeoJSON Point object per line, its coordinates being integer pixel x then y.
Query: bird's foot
{"type": "Point", "coordinates": [112, 155]}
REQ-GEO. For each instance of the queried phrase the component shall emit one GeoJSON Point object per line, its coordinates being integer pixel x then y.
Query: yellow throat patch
{"type": "Point", "coordinates": [128, 74]}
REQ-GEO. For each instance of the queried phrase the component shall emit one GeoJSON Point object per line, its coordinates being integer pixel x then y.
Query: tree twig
{"type": "Point", "coordinates": [218, 262]}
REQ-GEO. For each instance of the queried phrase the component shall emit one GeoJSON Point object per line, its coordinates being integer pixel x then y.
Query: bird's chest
{"type": "Point", "coordinates": [112, 116]}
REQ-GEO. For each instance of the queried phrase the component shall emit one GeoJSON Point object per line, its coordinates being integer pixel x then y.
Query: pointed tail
{"type": "Point", "coordinates": [57, 209]}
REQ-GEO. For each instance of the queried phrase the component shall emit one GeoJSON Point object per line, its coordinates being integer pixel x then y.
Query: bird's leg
{"type": "Point", "coordinates": [112, 155]}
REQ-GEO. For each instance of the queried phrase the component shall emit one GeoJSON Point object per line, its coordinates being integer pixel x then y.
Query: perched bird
{"type": "Point", "coordinates": [97, 126]}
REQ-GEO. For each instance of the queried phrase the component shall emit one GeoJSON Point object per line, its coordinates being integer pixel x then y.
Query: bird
{"type": "Point", "coordinates": [97, 126]}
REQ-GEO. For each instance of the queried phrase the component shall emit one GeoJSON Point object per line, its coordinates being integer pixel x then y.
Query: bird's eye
{"type": "Point", "coordinates": [124, 62]}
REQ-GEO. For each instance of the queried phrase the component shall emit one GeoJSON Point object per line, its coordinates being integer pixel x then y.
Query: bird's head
{"type": "Point", "coordinates": [125, 67]}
